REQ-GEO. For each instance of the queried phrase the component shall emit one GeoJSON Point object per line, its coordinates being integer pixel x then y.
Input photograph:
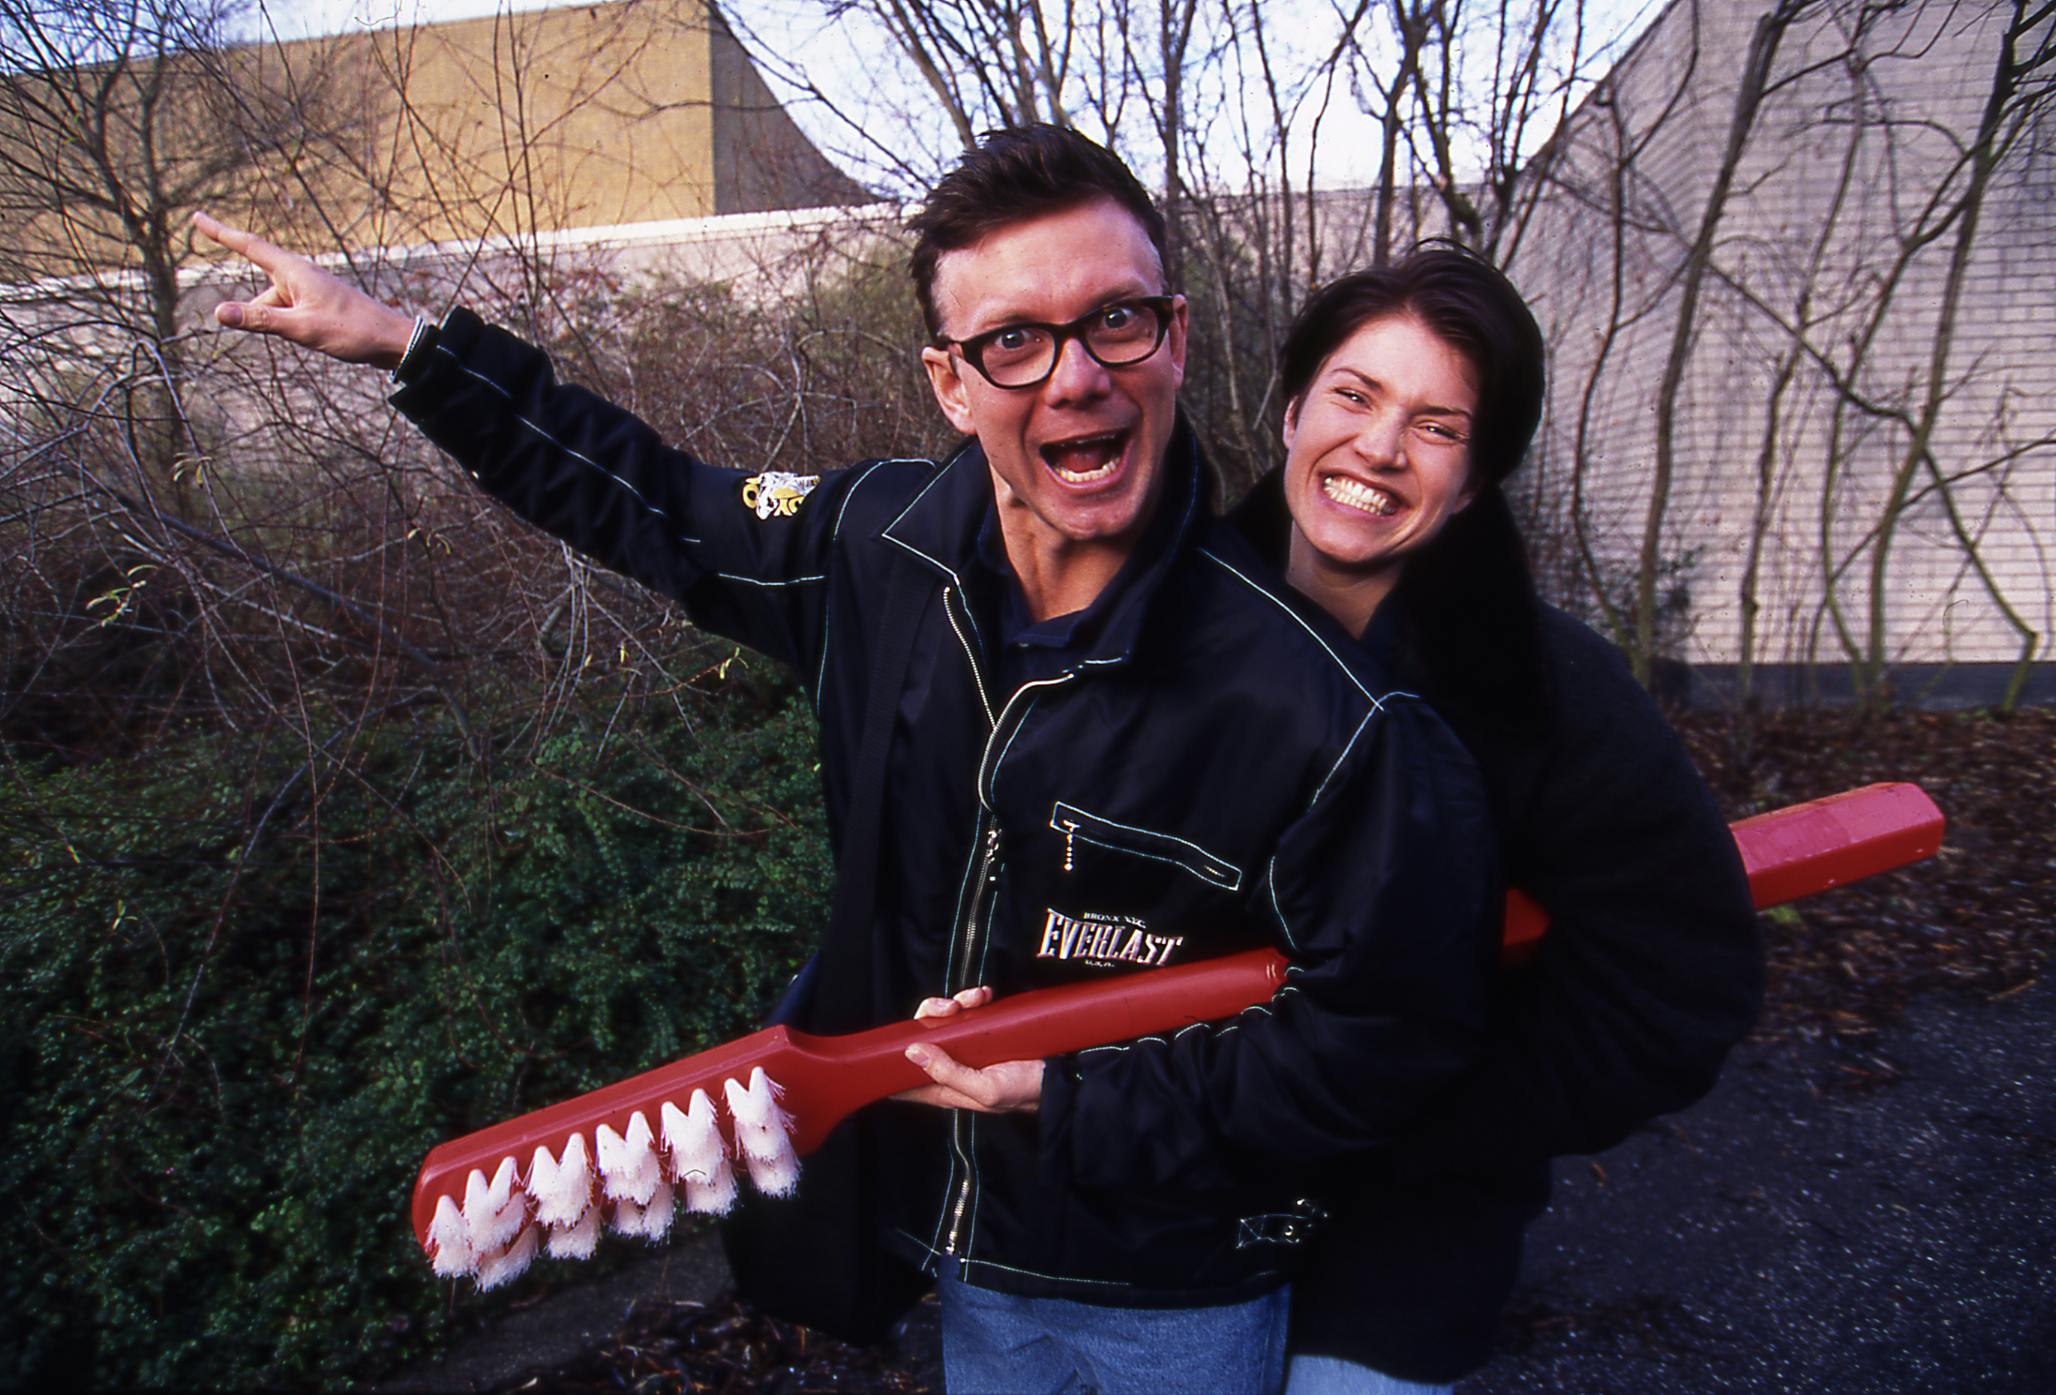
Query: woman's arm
{"type": "Point", "coordinates": [1652, 968]}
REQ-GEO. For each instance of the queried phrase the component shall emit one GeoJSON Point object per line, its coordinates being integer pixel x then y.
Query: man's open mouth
{"type": "Point", "coordinates": [1357, 495]}
{"type": "Point", "coordinates": [1083, 460]}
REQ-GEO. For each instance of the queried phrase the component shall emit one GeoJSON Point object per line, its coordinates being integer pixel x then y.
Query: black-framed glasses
{"type": "Point", "coordinates": [1118, 335]}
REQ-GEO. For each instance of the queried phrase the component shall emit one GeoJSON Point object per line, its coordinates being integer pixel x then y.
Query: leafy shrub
{"type": "Point", "coordinates": [245, 986]}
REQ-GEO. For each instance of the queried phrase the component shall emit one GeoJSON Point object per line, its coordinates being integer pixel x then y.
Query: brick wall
{"type": "Point", "coordinates": [1857, 146]}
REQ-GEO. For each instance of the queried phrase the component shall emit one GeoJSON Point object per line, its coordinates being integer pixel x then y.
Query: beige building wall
{"type": "Point", "coordinates": [501, 127]}
{"type": "Point", "coordinates": [629, 112]}
{"type": "Point", "coordinates": [1844, 173]}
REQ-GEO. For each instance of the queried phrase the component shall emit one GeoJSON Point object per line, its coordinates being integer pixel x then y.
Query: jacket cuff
{"type": "Point", "coordinates": [433, 362]}
{"type": "Point", "coordinates": [420, 344]}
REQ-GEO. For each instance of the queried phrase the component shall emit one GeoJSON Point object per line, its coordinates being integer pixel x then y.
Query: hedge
{"type": "Point", "coordinates": [246, 984]}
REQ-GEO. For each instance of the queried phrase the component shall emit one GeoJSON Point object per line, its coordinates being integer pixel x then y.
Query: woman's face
{"type": "Point", "coordinates": [1378, 452]}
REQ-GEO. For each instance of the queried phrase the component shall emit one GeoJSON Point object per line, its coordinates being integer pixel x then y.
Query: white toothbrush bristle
{"type": "Point", "coordinates": [624, 1218]}
{"type": "Point", "coordinates": [629, 1169]}
{"type": "Point", "coordinates": [653, 1222]}
{"type": "Point", "coordinates": [692, 1141]}
{"type": "Point", "coordinates": [508, 1265]}
{"type": "Point", "coordinates": [623, 1181]}
{"type": "Point", "coordinates": [493, 1211]}
{"type": "Point", "coordinates": [762, 1134]}
{"type": "Point", "coordinates": [699, 1156]}
{"type": "Point", "coordinates": [575, 1241]}
{"type": "Point", "coordinates": [449, 1240]}
{"type": "Point", "coordinates": [562, 1190]}
{"type": "Point", "coordinates": [778, 1175]}
{"type": "Point", "coordinates": [715, 1197]}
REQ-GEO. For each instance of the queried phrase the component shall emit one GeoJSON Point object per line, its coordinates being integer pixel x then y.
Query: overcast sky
{"type": "Point", "coordinates": [298, 19]}
{"type": "Point", "coordinates": [847, 60]}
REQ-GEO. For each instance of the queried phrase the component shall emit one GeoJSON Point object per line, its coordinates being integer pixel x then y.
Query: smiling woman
{"type": "Point", "coordinates": [1413, 391]}
{"type": "Point", "coordinates": [1378, 460]}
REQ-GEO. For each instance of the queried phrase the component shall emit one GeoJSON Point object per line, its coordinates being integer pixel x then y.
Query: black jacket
{"type": "Point", "coordinates": [1218, 772]}
{"type": "Point", "coordinates": [1650, 971]}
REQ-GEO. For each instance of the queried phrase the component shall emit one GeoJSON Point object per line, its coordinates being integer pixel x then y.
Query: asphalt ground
{"type": "Point", "coordinates": [1831, 1218]}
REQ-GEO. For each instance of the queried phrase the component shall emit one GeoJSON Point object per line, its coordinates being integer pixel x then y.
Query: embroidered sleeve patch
{"type": "Point", "coordinates": [776, 494]}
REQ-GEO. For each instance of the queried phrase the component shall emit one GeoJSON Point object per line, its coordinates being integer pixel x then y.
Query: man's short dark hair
{"type": "Point", "coordinates": [1015, 175]}
{"type": "Point", "coordinates": [1465, 301]}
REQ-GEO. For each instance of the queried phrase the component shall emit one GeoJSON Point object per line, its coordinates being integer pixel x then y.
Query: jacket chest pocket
{"type": "Point", "coordinates": [1080, 827]}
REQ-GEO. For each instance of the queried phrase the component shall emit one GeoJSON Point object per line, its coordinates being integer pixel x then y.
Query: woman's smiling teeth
{"type": "Point", "coordinates": [1085, 459]}
{"type": "Point", "coordinates": [1356, 495]}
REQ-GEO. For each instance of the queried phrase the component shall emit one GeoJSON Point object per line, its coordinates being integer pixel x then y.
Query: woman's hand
{"type": "Point", "coordinates": [307, 306]}
{"type": "Point", "coordinates": [1006, 1088]}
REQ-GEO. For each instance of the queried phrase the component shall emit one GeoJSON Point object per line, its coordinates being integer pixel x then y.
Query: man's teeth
{"type": "Point", "coordinates": [1359, 496]}
{"type": "Point", "coordinates": [1087, 476]}
{"type": "Point", "coordinates": [1105, 451]}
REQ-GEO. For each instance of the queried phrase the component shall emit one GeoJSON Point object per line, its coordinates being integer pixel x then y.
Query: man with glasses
{"type": "Point", "coordinates": [1069, 732]}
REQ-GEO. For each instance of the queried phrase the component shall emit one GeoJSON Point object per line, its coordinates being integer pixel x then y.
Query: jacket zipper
{"type": "Point", "coordinates": [988, 824]}
{"type": "Point", "coordinates": [960, 1127]}
{"type": "Point", "coordinates": [950, 593]}
{"type": "Point", "coordinates": [988, 834]}
{"type": "Point", "coordinates": [988, 819]}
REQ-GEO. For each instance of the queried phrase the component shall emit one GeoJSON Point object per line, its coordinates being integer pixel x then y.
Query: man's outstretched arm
{"type": "Point", "coordinates": [307, 306]}
{"type": "Point", "coordinates": [749, 565]}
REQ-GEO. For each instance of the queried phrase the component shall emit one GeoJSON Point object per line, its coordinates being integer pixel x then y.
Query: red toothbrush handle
{"type": "Point", "coordinates": [1818, 846]}
{"type": "Point", "coordinates": [1797, 851]}
{"type": "Point", "coordinates": [827, 1078]}
{"type": "Point", "coordinates": [1054, 1021]}
{"type": "Point", "coordinates": [1787, 853]}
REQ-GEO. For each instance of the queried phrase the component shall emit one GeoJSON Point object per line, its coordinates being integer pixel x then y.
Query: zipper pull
{"type": "Point", "coordinates": [992, 852]}
{"type": "Point", "coordinates": [1070, 829]}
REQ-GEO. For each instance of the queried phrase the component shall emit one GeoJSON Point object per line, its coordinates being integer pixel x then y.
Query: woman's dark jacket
{"type": "Point", "coordinates": [1650, 971]}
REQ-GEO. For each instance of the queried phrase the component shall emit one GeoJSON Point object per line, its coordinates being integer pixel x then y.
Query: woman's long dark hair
{"type": "Point", "coordinates": [1468, 616]}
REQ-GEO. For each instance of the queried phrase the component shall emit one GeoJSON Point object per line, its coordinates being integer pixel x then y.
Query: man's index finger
{"type": "Point", "coordinates": [267, 255]}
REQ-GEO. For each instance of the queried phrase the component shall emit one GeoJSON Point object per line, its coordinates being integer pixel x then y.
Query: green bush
{"type": "Point", "coordinates": [245, 986]}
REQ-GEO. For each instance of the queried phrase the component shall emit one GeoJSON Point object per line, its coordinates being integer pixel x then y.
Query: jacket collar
{"type": "Point", "coordinates": [940, 528]}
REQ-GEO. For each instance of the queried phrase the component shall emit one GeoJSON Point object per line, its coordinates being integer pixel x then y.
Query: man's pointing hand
{"type": "Point", "coordinates": [307, 306]}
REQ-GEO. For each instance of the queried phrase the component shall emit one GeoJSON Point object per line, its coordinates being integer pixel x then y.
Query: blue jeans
{"type": "Point", "coordinates": [1331, 1375]}
{"type": "Point", "coordinates": [1005, 1344]}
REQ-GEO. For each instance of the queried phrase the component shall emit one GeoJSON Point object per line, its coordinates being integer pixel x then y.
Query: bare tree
{"type": "Point", "coordinates": [1488, 84]}
{"type": "Point", "coordinates": [2018, 93]}
{"type": "Point", "coordinates": [118, 118]}
{"type": "Point", "coordinates": [1756, 84]}
{"type": "Point", "coordinates": [1837, 334]}
{"type": "Point", "coordinates": [1615, 195]}
{"type": "Point", "coordinates": [1795, 296]}
{"type": "Point", "coordinates": [1230, 108]}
